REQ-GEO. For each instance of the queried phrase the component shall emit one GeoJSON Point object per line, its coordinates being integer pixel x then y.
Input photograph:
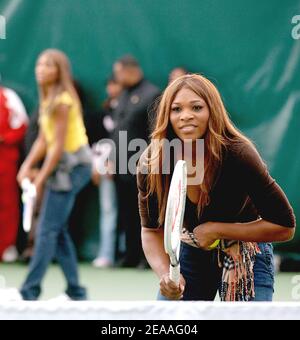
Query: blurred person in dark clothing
{"type": "Point", "coordinates": [32, 131]}
{"type": "Point", "coordinates": [132, 115]}
{"type": "Point", "coordinates": [106, 184]}
{"type": "Point", "coordinates": [113, 90]}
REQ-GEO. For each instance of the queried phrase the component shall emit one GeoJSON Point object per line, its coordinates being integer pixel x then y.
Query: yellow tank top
{"type": "Point", "coordinates": [76, 136]}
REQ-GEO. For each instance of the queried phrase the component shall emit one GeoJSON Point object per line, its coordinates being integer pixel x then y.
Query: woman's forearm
{"type": "Point", "coordinates": [153, 245]}
{"type": "Point", "coordinates": [50, 163]}
{"type": "Point", "coordinates": [37, 153]}
{"type": "Point", "coordinates": [257, 231]}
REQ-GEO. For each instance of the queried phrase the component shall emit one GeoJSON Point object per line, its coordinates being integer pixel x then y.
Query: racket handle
{"type": "Point", "coordinates": [175, 274]}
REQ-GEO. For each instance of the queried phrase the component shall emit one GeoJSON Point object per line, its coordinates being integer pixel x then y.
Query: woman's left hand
{"type": "Point", "coordinates": [39, 186]}
{"type": "Point", "coordinates": [205, 235]}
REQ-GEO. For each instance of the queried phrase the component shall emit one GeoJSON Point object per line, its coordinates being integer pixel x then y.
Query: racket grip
{"type": "Point", "coordinates": [175, 274]}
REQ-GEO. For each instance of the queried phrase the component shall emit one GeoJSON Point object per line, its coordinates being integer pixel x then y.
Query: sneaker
{"type": "Point", "coordinates": [102, 263]}
{"type": "Point", "coordinates": [10, 295]}
{"type": "Point", "coordinates": [10, 255]}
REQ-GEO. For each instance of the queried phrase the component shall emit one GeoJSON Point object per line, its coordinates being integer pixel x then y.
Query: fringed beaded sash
{"type": "Point", "coordinates": [237, 259]}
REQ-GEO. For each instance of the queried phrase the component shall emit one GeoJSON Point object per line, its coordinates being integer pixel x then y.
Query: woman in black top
{"type": "Point", "coordinates": [236, 201]}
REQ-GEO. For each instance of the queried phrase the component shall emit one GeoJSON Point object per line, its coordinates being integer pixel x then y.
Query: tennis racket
{"type": "Point", "coordinates": [174, 218]}
{"type": "Point", "coordinates": [28, 199]}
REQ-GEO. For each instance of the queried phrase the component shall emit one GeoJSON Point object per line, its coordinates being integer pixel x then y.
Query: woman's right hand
{"type": "Point", "coordinates": [169, 289]}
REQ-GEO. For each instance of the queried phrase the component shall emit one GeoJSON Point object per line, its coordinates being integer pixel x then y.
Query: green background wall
{"type": "Point", "coordinates": [245, 47]}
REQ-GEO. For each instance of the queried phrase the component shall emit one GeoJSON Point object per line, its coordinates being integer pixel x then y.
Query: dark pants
{"type": "Point", "coordinates": [203, 277]}
{"type": "Point", "coordinates": [53, 239]}
{"type": "Point", "coordinates": [129, 220]}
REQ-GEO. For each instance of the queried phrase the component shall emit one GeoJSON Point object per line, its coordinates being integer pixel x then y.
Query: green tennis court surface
{"type": "Point", "coordinates": [114, 284]}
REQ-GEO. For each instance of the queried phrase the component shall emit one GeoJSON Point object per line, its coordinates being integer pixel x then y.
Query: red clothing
{"type": "Point", "coordinates": [13, 123]}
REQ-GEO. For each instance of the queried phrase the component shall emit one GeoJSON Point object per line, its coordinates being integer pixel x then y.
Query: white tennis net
{"type": "Point", "coordinates": [113, 310]}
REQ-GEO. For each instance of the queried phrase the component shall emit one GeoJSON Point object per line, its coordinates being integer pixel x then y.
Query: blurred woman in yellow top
{"type": "Point", "coordinates": [62, 144]}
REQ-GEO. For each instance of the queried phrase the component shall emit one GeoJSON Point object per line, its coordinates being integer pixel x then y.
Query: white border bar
{"type": "Point", "coordinates": [114, 310]}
